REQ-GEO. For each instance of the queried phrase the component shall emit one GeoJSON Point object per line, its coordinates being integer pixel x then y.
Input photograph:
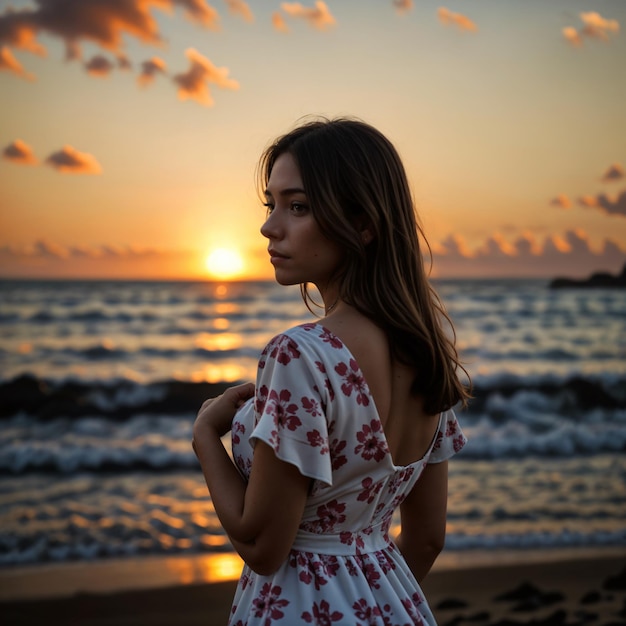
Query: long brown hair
{"type": "Point", "coordinates": [355, 181]}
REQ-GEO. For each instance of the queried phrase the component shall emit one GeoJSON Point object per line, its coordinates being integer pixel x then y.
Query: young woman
{"type": "Point", "coordinates": [351, 417]}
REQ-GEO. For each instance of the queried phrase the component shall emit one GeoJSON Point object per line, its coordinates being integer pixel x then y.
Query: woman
{"type": "Point", "coordinates": [347, 413]}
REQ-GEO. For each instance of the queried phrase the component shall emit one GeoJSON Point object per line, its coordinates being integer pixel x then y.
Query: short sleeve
{"type": "Point", "coordinates": [449, 439]}
{"type": "Point", "coordinates": [289, 408]}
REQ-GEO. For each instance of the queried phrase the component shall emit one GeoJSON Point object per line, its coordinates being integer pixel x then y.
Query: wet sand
{"type": "Point", "coordinates": [575, 587]}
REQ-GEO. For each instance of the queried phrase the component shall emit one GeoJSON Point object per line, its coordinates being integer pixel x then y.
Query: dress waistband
{"type": "Point", "coordinates": [345, 543]}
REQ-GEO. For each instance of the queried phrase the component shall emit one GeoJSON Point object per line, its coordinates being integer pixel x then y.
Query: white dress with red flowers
{"type": "Point", "coordinates": [314, 408]}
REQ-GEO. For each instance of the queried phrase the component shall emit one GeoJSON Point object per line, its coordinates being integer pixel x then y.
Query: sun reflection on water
{"type": "Point", "coordinates": [209, 569]}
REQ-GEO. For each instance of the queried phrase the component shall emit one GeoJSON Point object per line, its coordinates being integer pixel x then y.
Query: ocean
{"type": "Point", "coordinates": [100, 383]}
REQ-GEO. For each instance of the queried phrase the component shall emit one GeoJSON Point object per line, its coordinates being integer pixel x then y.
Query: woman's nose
{"type": "Point", "coordinates": [271, 226]}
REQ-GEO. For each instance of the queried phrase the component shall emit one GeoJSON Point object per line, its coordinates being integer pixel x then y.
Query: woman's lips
{"type": "Point", "coordinates": [277, 257]}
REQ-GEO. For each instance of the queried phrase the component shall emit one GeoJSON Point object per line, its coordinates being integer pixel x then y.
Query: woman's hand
{"type": "Point", "coordinates": [217, 413]}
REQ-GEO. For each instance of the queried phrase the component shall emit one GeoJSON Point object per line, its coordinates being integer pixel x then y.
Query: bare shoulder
{"type": "Point", "coordinates": [365, 339]}
{"type": "Point", "coordinates": [369, 345]}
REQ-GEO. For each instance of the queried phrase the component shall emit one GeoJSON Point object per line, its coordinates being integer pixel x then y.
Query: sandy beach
{"type": "Point", "coordinates": [565, 587]}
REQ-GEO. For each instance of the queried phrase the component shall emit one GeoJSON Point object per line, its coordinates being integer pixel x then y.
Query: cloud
{"type": "Point", "coordinates": [241, 8]}
{"type": "Point", "coordinates": [453, 246]}
{"type": "Point", "coordinates": [561, 201]}
{"type": "Point", "coordinates": [48, 250]}
{"type": "Point", "coordinates": [108, 24]}
{"type": "Point", "coordinates": [318, 17]}
{"type": "Point", "coordinates": [123, 62]}
{"type": "Point", "coordinates": [194, 83]}
{"type": "Point", "coordinates": [9, 63]}
{"type": "Point", "coordinates": [594, 26]}
{"type": "Point", "coordinates": [278, 22]}
{"type": "Point", "coordinates": [18, 29]}
{"type": "Point", "coordinates": [572, 35]}
{"type": "Point", "coordinates": [597, 26]}
{"type": "Point", "coordinates": [496, 246]}
{"type": "Point", "coordinates": [615, 172]}
{"type": "Point", "coordinates": [104, 23]}
{"type": "Point", "coordinates": [402, 6]}
{"type": "Point", "coordinates": [449, 18]}
{"type": "Point", "coordinates": [569, 254]}
{"type": "Point", "coordinates": [149, 69]}
{"type": "Point", "coordinates": [71, 161]}
{"type": "Point", "coordinates": [605, 204]}
{"type": "Point", "coordinates": [19, 152]}
{"type": "Point", "coordinates": [47, 259]}
{"type": "Point", "coordinates": [99, 66]}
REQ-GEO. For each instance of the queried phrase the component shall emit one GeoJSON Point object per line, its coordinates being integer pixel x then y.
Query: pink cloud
{"type": "Point", "coordinates": [562, 201]}
{"type": "Point", "coordinates": [194, 83]}
{"type": "Point", "coordinates": [278, 22]}
{"type": "Point", "coordinates": [9, 63]}
{"type": "Point", "coordinates": [99, 66]}
{"type": "Point", "coordinates": [453, 246]}
{"type": "Point", "coordinates": [149, 69]}
{"type": "Point", "coordinates": [496, 246]}
{"type": "Point", "coordinates": [240, 8]}
{"type": "Point", "coordinates": [47, 259]}
{"type": "Point", "coordinates": [19, 152]}
{"type": "Point", "coordinates": [597, 26]}
{"type": "Point", "coordinates": [104, 23]}
{"type": "Point", "coordinates": [594, 26]}
{"type": "Point", "coordinates": [447, 17]}
{"type": "Point", "coordinates": [614, 172]}
{"type": "Point", "coordinates": [47, 249]}
{"type": "Point", "coordinates": [572, 36]}
{"type": "Point", "coordinates": [403, 6]}
{"type": "Point", "coordinates": [318, 17]}
{"type": "Point", "coordinates": [568, 254]}
{"type": "Point", "coordinates": [606, 204]}
{"type": "Point", "coordinates": [70, 161]}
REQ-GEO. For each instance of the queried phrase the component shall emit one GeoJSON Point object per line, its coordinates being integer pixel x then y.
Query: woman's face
{"type": "Point", "coordinates": [299, 251]}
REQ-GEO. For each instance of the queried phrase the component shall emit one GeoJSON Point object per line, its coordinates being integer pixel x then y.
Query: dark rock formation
{"type": "Point", "coordinates": [600, 279]}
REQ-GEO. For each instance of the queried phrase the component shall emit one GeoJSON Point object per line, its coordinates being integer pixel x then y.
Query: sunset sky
{"type": "Point", "coordinates": [130, 136]}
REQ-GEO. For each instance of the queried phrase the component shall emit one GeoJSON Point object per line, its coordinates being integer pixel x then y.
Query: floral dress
{"type": "Point", "coordinates": [314, 408]}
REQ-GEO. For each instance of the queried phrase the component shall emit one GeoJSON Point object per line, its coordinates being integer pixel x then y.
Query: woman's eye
{"type": "Point", "coordinates": [298, 207]}
{"type": "Point", "coordinates": [268, 208]}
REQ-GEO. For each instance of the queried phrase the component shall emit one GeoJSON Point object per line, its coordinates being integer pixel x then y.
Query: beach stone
{"type": "Point", "coordinates": [451, 603]}
{"type": "Point", "coordinates": [584, 617]}
{"type": "Point", "coordinates": [554, 619]}
{"type": "Point", "coordinates": [591, 597]}
{"type": "Point", "coordinates": [529, 597]}
{"type": "Point", "coordinates": [454, 621]}
{"type": "Point", "coordinates": [483, 616]}
{"type": "Point", "coordinates": [525, 591]}
{"type": "Point", "coordinates": [616, 583]}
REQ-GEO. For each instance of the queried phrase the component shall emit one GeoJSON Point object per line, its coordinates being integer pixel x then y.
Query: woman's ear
{"type": "Point", "coordinates": [364, 226]}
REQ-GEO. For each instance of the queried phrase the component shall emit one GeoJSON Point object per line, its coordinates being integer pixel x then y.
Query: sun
{"type": "Point", "coordinates": [224, 263]}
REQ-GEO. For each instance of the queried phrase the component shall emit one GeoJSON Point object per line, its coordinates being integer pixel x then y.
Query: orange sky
{"type": "Point", "coordinates": [130, 139]}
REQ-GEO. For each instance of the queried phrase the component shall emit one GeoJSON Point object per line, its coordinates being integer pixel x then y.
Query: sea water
{"type": "Point", "coordinates": [100, 383]}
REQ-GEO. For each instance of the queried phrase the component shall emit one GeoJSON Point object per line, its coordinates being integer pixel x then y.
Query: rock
{"type": "Point", "coordinates": [599, 279]}
{"type": "Point", "coordinates": [616, 583]}
{"type": "Point", "coordinates": [451, 603]}
{"type": "Point", "coordinates": [592, 597]}
{"type": "Point", "coordinates": [525, 591]}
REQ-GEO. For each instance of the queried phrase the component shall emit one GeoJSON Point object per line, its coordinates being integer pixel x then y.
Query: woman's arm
{"type": "Point", "coordinates": [423, 519]}
{"type": "Point", "coordinates": [261, 517]}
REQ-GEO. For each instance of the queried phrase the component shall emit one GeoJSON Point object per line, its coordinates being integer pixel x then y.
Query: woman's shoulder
{"type": "Point", "coordinates": [363, 338]}
{"type": "Point", "coordinates": [312, 339]}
